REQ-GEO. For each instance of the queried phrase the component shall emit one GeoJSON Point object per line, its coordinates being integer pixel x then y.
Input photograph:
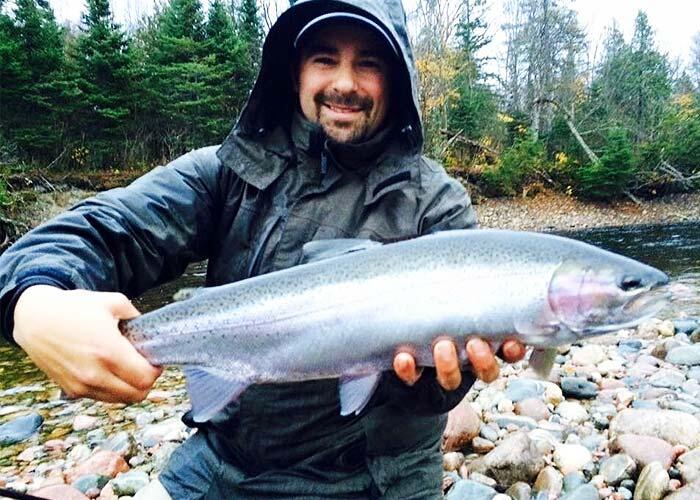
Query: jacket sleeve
{"type": "Point", "coordinates": [447, 207]}
{"type": "Point", "coordinates": [127, 239]}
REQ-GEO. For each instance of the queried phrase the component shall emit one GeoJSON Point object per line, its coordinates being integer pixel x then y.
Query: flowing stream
{"type": "Point", "coordinates": [674, 248]}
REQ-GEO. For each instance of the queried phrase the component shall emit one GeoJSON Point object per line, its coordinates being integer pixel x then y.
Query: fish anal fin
{"type": "Point", "coordinates": [542, 360]}
{"type": "Point", "coordinates": [356, 391]}
{"type": "Point", "coordinates": [210, 391]}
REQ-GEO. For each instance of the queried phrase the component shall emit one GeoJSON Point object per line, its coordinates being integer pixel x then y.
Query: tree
{"type": "Point", "coordinates": [610, 176]}
{"type": "Point", "coordinates": [37, 105]}
{"type": "Point", "coordinates": [250, 34]}
{"type": "Point", "coordinates": [695, 61]}
{"type": "Point", "coordinates": [104, 78]}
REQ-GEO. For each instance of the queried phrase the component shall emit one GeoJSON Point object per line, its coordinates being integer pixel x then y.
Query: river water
{"type": "Point", "coordinates": [674, 248]}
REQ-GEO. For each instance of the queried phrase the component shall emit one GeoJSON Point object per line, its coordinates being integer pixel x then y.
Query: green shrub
{"type": "Point", "coordinates": [611, 175]}
{"type": "Point", "coordinates": [515, 168]}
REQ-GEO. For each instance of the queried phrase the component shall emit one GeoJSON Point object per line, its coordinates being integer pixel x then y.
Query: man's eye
{"type": "Point", "coordinates": [326, 61]}
{"type": "Point", "coordinates": [370, 64]}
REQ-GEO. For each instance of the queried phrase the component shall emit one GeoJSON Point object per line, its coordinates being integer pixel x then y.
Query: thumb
{"type": "Point", "coordinates": [121, 307]}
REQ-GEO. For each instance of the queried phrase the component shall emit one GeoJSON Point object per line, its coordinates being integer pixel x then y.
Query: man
{"type": "Point", "coordinates": [328, 148]}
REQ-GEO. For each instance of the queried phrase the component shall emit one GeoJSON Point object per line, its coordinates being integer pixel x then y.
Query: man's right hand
{"type": "Point", "coordinates": [73, 337]}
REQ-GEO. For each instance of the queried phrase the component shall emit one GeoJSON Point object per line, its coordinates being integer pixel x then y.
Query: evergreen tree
{"type": "Point", "coordinates": [35, 110]}
{"type": "Point", "coordinates": [178, 79]}
{"type": "Point", "coordinates": [250, 33]}
{"type": "Point", "coordinates": [104, 78]}
{"type": "Point", "coordinates": [228, 85]}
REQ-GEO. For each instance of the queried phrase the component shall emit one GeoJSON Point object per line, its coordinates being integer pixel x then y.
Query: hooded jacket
{"type": "Point", "coordinates": [248, 207]}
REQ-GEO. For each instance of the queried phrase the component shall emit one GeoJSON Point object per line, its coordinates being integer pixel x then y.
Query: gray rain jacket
{"type": "Point", "coordinates": [248, 207]}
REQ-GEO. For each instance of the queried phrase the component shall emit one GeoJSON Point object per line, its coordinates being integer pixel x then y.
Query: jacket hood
{"type": "Point", "coordinates": [272, 101]}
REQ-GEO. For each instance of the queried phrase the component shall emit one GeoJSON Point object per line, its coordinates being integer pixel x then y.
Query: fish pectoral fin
{"type": "Point", "coordinates": [210, 391]}
{"type": "Point", "coordinates": [355, 392]}
{"type": "Point", "coordinates": [318, 250]}
{"type": "Point", "coordinates": [542, 360]}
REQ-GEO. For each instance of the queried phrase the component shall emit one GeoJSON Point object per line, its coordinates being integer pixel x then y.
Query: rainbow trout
{"type": "Point", "coordinates": [354, 304]}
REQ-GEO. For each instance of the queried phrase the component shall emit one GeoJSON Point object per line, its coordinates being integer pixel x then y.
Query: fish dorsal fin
{"type": "Point", "coordinates": [355, 392]}
{"type": "Point", "coordinates": [210, 391]}
{"type": "Point", "coordinates": [317, 250]}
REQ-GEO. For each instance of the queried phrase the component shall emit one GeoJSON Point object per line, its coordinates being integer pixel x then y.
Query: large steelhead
{"type": "Point", "coordinates": [349, 310]}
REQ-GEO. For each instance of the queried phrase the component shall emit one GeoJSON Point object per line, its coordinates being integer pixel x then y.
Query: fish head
{"type": "Point", "coordinates": [595, 296]}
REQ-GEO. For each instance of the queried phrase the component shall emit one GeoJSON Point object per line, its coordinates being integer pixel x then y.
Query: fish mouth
{"type": "Point", "coordinates": [646, 303]}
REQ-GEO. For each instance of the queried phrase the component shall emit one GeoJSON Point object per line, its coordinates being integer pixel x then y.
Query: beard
{"type": "Point", "coordinates": [355, 128]}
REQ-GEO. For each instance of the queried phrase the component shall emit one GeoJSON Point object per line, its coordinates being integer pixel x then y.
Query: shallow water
{"type": "Point", "coordinates": [674, 248]}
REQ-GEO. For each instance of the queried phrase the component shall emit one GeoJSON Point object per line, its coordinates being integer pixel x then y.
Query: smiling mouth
{"type": "Point", "coordinates": [343, 109]}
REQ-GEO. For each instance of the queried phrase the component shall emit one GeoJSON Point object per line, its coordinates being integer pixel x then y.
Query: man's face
{"type": "Point", "coordinates": [343, 81]}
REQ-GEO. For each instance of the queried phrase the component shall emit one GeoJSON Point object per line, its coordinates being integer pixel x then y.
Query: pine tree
{"type": "Point", "coordinates": [38, 105]}
{"type": "Point", "coordinates": [250, 33]}
{"type": "Point", "coordinates": [177, 81]}
{"type": "Point", "coordinates": [104, 78]}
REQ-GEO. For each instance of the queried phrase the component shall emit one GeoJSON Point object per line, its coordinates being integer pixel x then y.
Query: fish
{"type": "Point", "coordinates": [352, 305]}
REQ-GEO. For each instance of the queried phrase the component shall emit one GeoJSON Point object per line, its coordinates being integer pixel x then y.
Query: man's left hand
{"type": "Point", "coordinates": [447, 365]}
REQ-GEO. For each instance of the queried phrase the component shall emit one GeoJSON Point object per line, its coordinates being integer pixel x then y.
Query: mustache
{"type": "Point", "coordinates": [346, 100]}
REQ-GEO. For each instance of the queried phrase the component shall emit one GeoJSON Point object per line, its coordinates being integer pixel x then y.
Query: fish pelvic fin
{"type": "Point", "coordinates": [356, 391]}
{"type": "Point", "coordinates": [542, 361]}
{"type": "Point", "coordinates": [210, 391]}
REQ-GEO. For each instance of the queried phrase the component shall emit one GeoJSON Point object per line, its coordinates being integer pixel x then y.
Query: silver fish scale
{"type": "Point", "coordinates": [350, 313]}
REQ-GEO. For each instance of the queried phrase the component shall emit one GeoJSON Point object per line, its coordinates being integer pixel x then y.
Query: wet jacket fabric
{"type": "Point", "coordinates": [248, 207]}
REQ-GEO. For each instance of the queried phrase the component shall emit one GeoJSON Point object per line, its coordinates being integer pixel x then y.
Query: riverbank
{"type": "Point", "coordinates": [556, 211]}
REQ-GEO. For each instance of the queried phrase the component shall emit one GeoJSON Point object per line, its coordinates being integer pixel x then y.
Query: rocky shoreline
{"type": "Point", "coordinates": [617, 419]}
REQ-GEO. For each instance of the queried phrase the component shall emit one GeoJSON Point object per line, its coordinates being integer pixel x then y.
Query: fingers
{"type": "Point", "coordinates": [447, 369]}
{"type": "Point", "coordinates": [128, 365]}
{"type": "Point", "coordinates": [405, 368]}
{"type": "Point", "coordinates": [512, 351]}
{"type": "Point", "coordinates": [120, 306]}
{"type": "Point", "coordinates": [482, 360]}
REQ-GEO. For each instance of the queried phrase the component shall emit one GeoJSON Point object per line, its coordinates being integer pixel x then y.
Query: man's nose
{"type": "Point", "coordinates": [345, 78]}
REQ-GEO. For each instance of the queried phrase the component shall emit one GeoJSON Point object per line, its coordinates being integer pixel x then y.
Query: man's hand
{"type": "Point", "coordinates": [481, 358]}
{"type": "Point", "coordinates": [73, 337]}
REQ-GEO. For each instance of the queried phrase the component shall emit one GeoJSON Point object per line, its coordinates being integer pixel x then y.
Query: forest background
{"type": "Point", "coordinates": [102, 99]}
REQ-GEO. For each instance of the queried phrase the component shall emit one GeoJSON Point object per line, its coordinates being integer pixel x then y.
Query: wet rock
{"type": "Point", "coordinates": [644, 449]}
{"type": "Point", "coordinates": [85, 423]}
{"type": "Point", "coordinates": [89, 482]}
{"type": "Point", "coordinates": [689, 466]}
{"type": "Point", "coordinates": [31, 454]}
{"type": "Point", "coordinates": [20, 428]}
{"type": "Point", "coordinates": [130, 482]}
{"type": "Point", "coordinates": [652, 483]}
{"type": "Point", "coordinates": [171, 429]}
{"type": "Point", "coordinates": [675, 427]}
{"type": "Point", "coordinates": [481, 445]}
{"type": "Point", "coordinates": [59, 492]}
{"type": "Point", "coordinates": [588, 355]}
{"type": "Point", "coordinates": [519, 491]}
{"type": "Point", "coordinates": [656, 328]}
{"type": "Point", "coordinates": [523, 388]}
{"type": "Point", "coordinates": [161, 455]}
{"type": "Point", "coordinates": [533, 408]}
{"type": "Point", "coordinates": [55, 445]}
{"type": "Point", "coordinates": [684, 355]}
{"type": "Point", "coordinates": [106, 463]}
{"type": "Point", "coordinates": [489, 431]}
{"type": "Point", "coordinates": [463, 425]}
{"type": "Point", "coordinates": [617, 468]}
{"type": "Point", "coordinates": [572, 480]}
{"type": "Point", "coordinates": [579, 388]}
{"type": "Point", "coordinates": [79, 453]}
{"type": "Point", "coordinates": [667, 378]}
{"type": "Point", "coordinates": [571, 457]}
{"type": "Point", "coordinates": [516, 458]}
{"type": "Point", "coordinates": [572, 411]}
{"type": "Point", "coordinates": [688, 492]}
{"type": "Point", "coordinates": [483, 479]}
{"type": "Point", "coordinates": [686, 326]}
{"type": "Point", "coordinates": [515, 420]}
{"type": "Point", "coordinates": [550, 480]}
{"type": "Point", "coordinates": [452, 461]}
{"type": "Point", "coordinates": [448, 479]}
{"type": "Point", "coordinates": [95, 437]}
{"type": "Point", "coordinates": [122, 443]}
{"type": "Point", "coordinates": [583, 492]}
{"type": "Point", "coordinates": [465, 489]}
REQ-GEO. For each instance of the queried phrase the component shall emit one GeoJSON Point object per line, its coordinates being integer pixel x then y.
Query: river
{"type": "Point", "coordinates": [674, 248]}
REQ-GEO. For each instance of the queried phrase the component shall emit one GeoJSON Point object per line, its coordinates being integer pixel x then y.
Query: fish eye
{"type": "Point", "coordinates": [630, 283]}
